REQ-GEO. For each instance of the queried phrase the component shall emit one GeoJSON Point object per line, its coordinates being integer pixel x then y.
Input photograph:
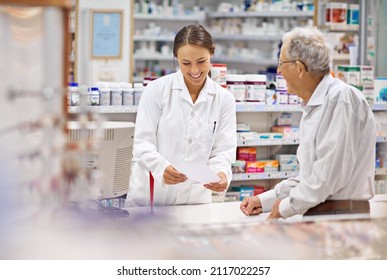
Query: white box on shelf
{"type": "Point", "coordinates": [380, 90]}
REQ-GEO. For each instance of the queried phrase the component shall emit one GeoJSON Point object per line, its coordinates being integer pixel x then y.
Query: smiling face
{"type": "Point", "coordinates": [194, 62]}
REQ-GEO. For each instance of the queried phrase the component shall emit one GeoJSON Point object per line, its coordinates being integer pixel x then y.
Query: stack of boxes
{"type": "Point", "coordinates": [342, 16]}
{"type": "Point", "coordinates": [283, 125]}
{"type": "Point", "coordinates": [361, 77]}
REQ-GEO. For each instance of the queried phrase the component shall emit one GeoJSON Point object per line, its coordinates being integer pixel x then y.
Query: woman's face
{"type": "Point", "coordinates": [194, 62]}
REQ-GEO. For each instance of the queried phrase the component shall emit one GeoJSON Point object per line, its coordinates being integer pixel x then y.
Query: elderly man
{"type": "Point", "coordinates": [337, 135]}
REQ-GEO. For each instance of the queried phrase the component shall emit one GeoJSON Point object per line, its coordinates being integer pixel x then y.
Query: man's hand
{"type": "Point", "coordinates": [218, 186]}
{"type": "Point", "coordinates": [251, 206]}
{"type": "Point", "coordinates": [274, 214]}
{"type": "Point", "coordinates": [171, 176]}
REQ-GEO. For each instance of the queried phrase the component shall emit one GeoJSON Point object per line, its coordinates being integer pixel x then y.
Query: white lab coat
{"type": "Point", "coordinates": [170, 129]}
{"type": "Point", "coordinates": [336, 151]}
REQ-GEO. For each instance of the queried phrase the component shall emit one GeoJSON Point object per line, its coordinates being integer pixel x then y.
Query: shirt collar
{"type": "Point", "coordinates": [321, 90]}
{"type": "Point", "coordinates": [318, 96]}
{"type": "Point", "coordinates": [209, 87]}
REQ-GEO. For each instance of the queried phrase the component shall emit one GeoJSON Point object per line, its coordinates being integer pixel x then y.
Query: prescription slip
{"type": "Point", "coordinates": [197, 171]}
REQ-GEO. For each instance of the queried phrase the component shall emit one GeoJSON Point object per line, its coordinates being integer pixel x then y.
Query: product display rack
{"type": "Point", "coordinates": [239, 64]}
{"type": "Point", "coordinates": [148, 62]}
{"type": "Point", "coordinates": [263, 175]}
{"type": "Point", "coordinates": [380, 171]}
{"type": "Point", "coordinates": [268, 142]}
{"type": "Point", "coordinates": [264, 14]}
{"type": "Point", "coordinates": [244, 108]}
{"type": "Point", "coordinates": [104, 109]}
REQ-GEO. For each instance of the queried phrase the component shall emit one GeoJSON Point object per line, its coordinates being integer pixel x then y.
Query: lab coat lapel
{"type": "Point", "coordinates": [179, 84]}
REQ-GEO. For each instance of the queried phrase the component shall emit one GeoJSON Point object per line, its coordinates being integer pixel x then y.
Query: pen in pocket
{"type": "Point", "coordinates": [213, 130]}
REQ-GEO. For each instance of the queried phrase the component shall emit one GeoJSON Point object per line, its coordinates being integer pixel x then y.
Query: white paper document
{"type": "Point", "coordinates": [197, 171]}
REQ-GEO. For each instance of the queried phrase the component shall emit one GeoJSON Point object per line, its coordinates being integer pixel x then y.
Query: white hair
{"type": "Point", "coordinates": [310, 47]}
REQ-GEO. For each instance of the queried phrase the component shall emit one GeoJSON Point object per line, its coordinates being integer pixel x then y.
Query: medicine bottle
{"type": "Point", "coordinates": [219, 73]}
{"type": "Point", "coordinates": [104, 91]}
{"type": "Point", "coordinates": [127, 94]}
{"type": "Point", "coordinates": [94, 96]}
{"type": "Point", "coordinates": [73, 92]}
{"type": "Point", "coordinates": [138, 89]}
{"type": "Point", "coordinates": [282, 97]}
{"type": "Point", "coordinates": [256, 88]}
{"type": "Point", "coordinates": [236, 85]}
{"type": "Point", "coordinates": [116, 94]}
{"type": "Point", "coordinates": [281, 83]}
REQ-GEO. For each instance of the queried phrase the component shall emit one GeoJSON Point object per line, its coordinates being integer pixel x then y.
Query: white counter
{"type": "Point", "coordinates": [215, 213]}
{"type": "Point", "coordinates": [229, 213]}
{"type": "Point", "coordinates": [208, 231]}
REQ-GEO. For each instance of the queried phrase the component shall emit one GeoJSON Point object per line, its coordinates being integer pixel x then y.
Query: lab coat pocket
{"type": "Point", "coordinates": [207, 137]}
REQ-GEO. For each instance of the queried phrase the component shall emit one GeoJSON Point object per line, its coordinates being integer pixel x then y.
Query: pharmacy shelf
{"type": "Point", "coordinates": [342, 28]}
{"type": "Point", "coordinates": [258, 107]}
{"type": "Point", "coordinates": [380, 171]}
{"type": "Point", "coordinates": [344, 56]}
{"type": "Point", "coordinates": [267, 142]}
{"type": "Point", "coordinates": [246, 60]}
{"type": "Point", "coordinates": [381, 139]}
{"type": "Point", "coordinates": [263, 176]}
{"type": "Point", "coordinates": [191, 17]}
{"type": "Point", "coordinates": [237, 37]}
{"type": "Point", "coordinates": [158, 57]}
{"type": "Point", "coordinates": [262, 14]}
{"type": "Point", "coordinates": [162, 38]}
{"type": "Point", "coordinates": [379, 107]}
{"type": "Point", "coordinates": [103, 109]}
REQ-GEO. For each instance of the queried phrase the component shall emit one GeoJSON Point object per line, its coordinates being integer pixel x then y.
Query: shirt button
{"type": "Point", "coordinates": [192, 114]}
{"type": "Point", "coordinates": [189, 141]}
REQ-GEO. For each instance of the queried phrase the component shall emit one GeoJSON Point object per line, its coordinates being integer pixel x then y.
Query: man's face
{"type": "Point", "coordinates": [288, 69]}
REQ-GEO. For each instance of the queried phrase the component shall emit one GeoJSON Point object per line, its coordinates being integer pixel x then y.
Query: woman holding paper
{"type": "Point", "coordinates": [184, 119]}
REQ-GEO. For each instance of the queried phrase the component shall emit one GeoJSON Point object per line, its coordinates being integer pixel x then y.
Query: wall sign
{"type": "Point", "coordinates": [106, 34]}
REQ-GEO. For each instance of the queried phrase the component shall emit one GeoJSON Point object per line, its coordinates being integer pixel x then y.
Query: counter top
{"type": "Point", "coordinates": [214, 231]}
{"type": "Point", "coordinates": [229, 213]}
{"type": "Point", "coordinates": [214, 213]}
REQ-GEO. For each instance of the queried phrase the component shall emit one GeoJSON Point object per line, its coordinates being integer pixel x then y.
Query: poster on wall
{"type": "Point", "coordinates": [106, 34]}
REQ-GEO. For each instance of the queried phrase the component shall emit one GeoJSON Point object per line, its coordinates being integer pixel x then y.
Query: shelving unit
{"type": "Point", "coordinates": [263, 14]}
{"type": "Point", "coordinates": [149, 57]}
{"type": "Point", "coordinates": [263, 176]}
{"type": "Point", "coordinates": [259, 116]}
{"type": "Point", "coordinates": [265, 44]}
{"type": "Point", "coordinates": [104, 109]}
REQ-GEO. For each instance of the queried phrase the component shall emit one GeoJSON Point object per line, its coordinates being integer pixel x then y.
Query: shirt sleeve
{"type": "Point", "coordinates": [223, 152]}
{"type": "Point", "coordinates": [147, 120]}
{"type": "Point", "coordinates": [335, 146]}
{"type": "Point", "coordinates": [280, 191]}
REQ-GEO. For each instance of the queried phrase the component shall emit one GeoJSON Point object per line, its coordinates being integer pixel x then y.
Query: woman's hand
{"type": "Point", "coordinates": [218, 186]}
{"type": "Point", "coordinates": [171, 176]}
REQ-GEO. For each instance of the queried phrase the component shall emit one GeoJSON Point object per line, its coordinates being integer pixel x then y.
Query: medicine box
{"type": "Point", "coordinates": [336, 15]}
{"type": "Point", "coordinates": [255, 167]}
{"type": "Point", "coordinates": [288, 132]}
{"type": "Point", "coordinates": [238, 166]}
{"type": "Point", "coordinates": [247, 154]}
{"type": "Point", "coordinates": [367, 75]}
{"type": "Point", "coordinates": [380, 90]}
{"type": "Point", "coordinates": [349, 74]}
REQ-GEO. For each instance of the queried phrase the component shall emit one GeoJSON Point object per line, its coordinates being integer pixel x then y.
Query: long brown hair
{"type": "Point", "coordinates": [195, 35]}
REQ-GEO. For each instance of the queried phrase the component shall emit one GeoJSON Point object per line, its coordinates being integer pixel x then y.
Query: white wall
{"type": "Point", "coordinates": [382, 41]}
{"type": "Point", "coordinates": [89, 71]}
